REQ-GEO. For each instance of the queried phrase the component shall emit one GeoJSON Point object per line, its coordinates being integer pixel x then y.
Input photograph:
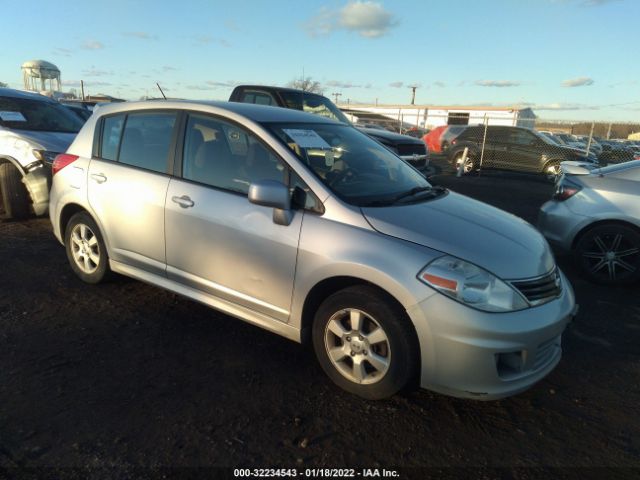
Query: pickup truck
{"type": "Point", "coordinates": [411, 150]}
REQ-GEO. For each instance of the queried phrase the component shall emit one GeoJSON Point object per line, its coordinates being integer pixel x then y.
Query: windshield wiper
{"type": "Point", "coordinates": [433, 192]}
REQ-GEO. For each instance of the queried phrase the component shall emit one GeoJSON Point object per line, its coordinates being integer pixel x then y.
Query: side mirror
{"type": "Point", "coordinates": [274, 194]}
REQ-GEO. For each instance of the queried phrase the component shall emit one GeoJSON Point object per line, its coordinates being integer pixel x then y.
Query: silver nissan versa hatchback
{"type": "Point", "coordinates": [312, 230]}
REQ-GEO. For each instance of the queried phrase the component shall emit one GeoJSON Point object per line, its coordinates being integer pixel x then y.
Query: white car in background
{"type": "Point", "coordinates": [33, 130]}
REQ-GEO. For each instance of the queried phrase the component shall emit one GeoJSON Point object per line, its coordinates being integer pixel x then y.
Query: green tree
{"type": "Point", "coordinates": [2, 84]}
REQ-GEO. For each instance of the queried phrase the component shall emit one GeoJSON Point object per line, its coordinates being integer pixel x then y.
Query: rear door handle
{"type": "Point", "coordinates": [184, 201]}
{"type": "Point", "coordinates": [98, 177]}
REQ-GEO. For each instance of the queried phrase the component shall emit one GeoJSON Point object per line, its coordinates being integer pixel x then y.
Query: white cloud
{"type": "Point", "coordinates": [65, 52]}
{"type": "Point", "coordinates": [396, 84]}
{"type": "Point", "coordinates": [338, 84]}
{"type": "Point", "coordinates": [208, 39]}
{"type": "Point", "coordinates": [439, 84]}
{"type": "Point", "coordinates": [578, 82]}
{"type": "Point", "coordinates": [76, 83]}
{"type": "Point", "coordinates": [92, 45]}
{"type": "Point", "coordinates": [366, 18]}
{"type": "Point", "coordinates": [595, 3]}
{"type": "Point", "coordinates": [559, 106]}
{"type": "Point", "coordinates": [497, 83]}
{"type": "Point", "coordinates": [94, 72]}
{"type": "Point", "coordinates": [221, 84]}
{"type": "Point", "coordinates": [140, 35]}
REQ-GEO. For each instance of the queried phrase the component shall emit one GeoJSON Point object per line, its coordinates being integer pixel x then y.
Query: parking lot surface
{"type": "Point", "coordinates": [127, 375]}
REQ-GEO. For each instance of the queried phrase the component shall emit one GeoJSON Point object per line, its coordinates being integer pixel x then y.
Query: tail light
{"type": "Point", "coordinates": [62, 161]}
{"type": "Point", "coordinates": [565, 190]}
{"type": "Point", "coordinates": [454, 141]}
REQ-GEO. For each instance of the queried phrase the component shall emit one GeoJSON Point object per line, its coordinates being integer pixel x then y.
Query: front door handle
{"type": "Point", "coordinates": [184, 201]}
{"type": "Point", "coordinates": [99, 177]}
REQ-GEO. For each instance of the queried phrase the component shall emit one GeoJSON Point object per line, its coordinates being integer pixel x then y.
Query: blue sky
{"type": "Point", "coordinates": [573, 59]}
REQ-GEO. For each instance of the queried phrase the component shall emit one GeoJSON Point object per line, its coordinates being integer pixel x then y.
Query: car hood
{"type": "Point", "coordinates": [454, 224]}
{"type": "Point", "coordinates": [51, 141]}
{"type": "Point", "coordinates": [390, 136]}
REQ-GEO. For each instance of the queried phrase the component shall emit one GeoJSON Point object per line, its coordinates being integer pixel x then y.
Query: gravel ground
{"type": "Point", "coordinates": [111, 381]}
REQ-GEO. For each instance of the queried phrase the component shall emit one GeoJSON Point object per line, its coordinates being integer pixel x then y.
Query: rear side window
{"type": "Point", "coordinates": [111, 132]}
{"type": "Point", "coordinates": [146, 140]}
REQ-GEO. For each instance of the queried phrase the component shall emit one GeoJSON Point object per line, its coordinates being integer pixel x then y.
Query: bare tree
{"type": "Point", "coordinates": [307, 84]}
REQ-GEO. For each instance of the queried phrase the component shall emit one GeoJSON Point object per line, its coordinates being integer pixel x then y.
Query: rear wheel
{"type": "Point", "coordinates": [85, 247]}
{"type": "Point", "coordinates": [469, 164]}
{"type": "Point", "coordinates": [15, 198]}
{"type": "Point", "coordinates": [365, 343]}
{"type": "Point", "coordinates": [609, 253]}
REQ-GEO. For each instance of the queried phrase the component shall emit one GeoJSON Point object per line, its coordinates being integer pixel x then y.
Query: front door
{"type": "Point", "coordinates": [217, 241]}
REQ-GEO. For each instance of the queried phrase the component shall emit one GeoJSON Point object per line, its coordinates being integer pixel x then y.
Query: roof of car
{"type": "Point", "coordinates": [13, 93]}
{"type": "Point", "coordinates": [257, 113]}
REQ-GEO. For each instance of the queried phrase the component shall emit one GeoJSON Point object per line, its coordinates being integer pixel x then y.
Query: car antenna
{"type": "Point", "coordinates": [163, 95]}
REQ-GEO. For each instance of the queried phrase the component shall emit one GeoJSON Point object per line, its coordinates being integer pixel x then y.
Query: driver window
{"type": "Point", "coordinates": [223, 155]}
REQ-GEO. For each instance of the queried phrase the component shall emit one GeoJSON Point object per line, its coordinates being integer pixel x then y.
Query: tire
{"type": "Point", "coordinates": [609, 254]}
{"type": "Point", "coordinates": [375, 359]}
{"type": "Point", "coordinates": [85, 248]}
{"type": "Point", "coordinates": [469, 165]}
{"type": "Point", "coordinates": [15, 197]}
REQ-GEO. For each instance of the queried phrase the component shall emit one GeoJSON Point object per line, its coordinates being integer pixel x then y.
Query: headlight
{"type": "Point", "coordinates": [471, 285]}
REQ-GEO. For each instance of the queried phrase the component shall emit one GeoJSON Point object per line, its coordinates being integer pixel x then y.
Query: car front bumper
{"type": "Point", "coordinates": [468, 353]}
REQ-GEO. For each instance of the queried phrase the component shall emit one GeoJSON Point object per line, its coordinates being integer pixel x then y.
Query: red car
{"type": "Point", "coordinates": [432, 139]}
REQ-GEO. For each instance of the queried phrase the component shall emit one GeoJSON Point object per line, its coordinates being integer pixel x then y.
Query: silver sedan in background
{"type": "Point", "coordinates": [595, 214]}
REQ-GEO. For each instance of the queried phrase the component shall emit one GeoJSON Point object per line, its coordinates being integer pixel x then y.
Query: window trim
{"type": "Point", "coordinates": [99, 133]}
{"type": "Point", "coordinates": [179, 155]}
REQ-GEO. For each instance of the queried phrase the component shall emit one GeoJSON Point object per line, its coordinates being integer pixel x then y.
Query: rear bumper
{"type": "Point", "coordinates": [38, 182]}
{"type": "Point", "coordinates": [472, 354]}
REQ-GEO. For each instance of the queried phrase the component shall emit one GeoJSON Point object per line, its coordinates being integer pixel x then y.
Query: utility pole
{"type": "Point", "coordinates": [336, 95]}
{"type": "Point", "coordinates": [413, 94]}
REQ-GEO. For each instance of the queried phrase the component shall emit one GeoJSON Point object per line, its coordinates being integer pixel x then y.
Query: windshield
{"type": "Point", "coordinates": [37, 115]}
{"type": "Point", "coordinates": [355, 167]}
{"type": "Point", "coordinates": [316, 104]}
{"type": "Point", "coordinates": [546, 138]}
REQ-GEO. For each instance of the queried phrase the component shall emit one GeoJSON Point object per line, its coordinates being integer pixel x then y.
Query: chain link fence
{"type": "Point", "coordinates": [509, 140]}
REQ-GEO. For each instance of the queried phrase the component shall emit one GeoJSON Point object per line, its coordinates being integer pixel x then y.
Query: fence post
{"type": "Point", "coordinates": [609, 131]}
{"type": "Point", "coordinates": [462, 162]}
{"type": "Point", "coordinates": [484, 139]}
{"type": "Point", "coordinates": [593, 125]}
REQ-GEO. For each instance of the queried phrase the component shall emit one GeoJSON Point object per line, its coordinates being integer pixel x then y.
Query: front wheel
{"type": "Point", "coordinates": [609, 253]}
{"type": "Point", "coordinates": [15, 197]}
{"type": "Point", "coordinates": [365, 343]}
{"type": "Point", "coordinates": [85, 247]}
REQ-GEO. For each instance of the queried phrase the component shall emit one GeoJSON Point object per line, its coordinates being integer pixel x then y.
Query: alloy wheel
{"type": "Point", "coordinates": [357, 346]}
{"type": "Point", "coordinates": [610, 256]}
{"type": "Point", "coordinates": [85, 248]}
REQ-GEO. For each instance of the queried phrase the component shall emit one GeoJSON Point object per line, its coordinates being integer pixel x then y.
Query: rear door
{"type": "Point", "coordinates": [127, 185]}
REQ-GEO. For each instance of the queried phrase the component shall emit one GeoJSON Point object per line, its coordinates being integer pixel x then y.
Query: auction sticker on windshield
{"type": "Point", "coordinates": [306, 138]}
{"type": "Point", "coordinates": [12, 117]}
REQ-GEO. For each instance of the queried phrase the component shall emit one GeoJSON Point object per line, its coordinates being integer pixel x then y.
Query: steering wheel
{"type": "Point", "coordinates": [343, 175]}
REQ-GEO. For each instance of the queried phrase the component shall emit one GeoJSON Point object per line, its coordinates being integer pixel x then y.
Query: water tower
{"type": "Point", "coordinates": [40, 75]}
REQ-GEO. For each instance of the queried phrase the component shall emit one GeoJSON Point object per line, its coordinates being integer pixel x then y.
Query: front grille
{"type": "Point", "coordinates": [542, 289]}
{"type": "Point", "coordinates": [411, 148]}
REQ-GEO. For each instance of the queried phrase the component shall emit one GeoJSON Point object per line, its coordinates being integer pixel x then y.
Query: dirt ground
{"type": "Point", "coordinates": [115, 380]}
